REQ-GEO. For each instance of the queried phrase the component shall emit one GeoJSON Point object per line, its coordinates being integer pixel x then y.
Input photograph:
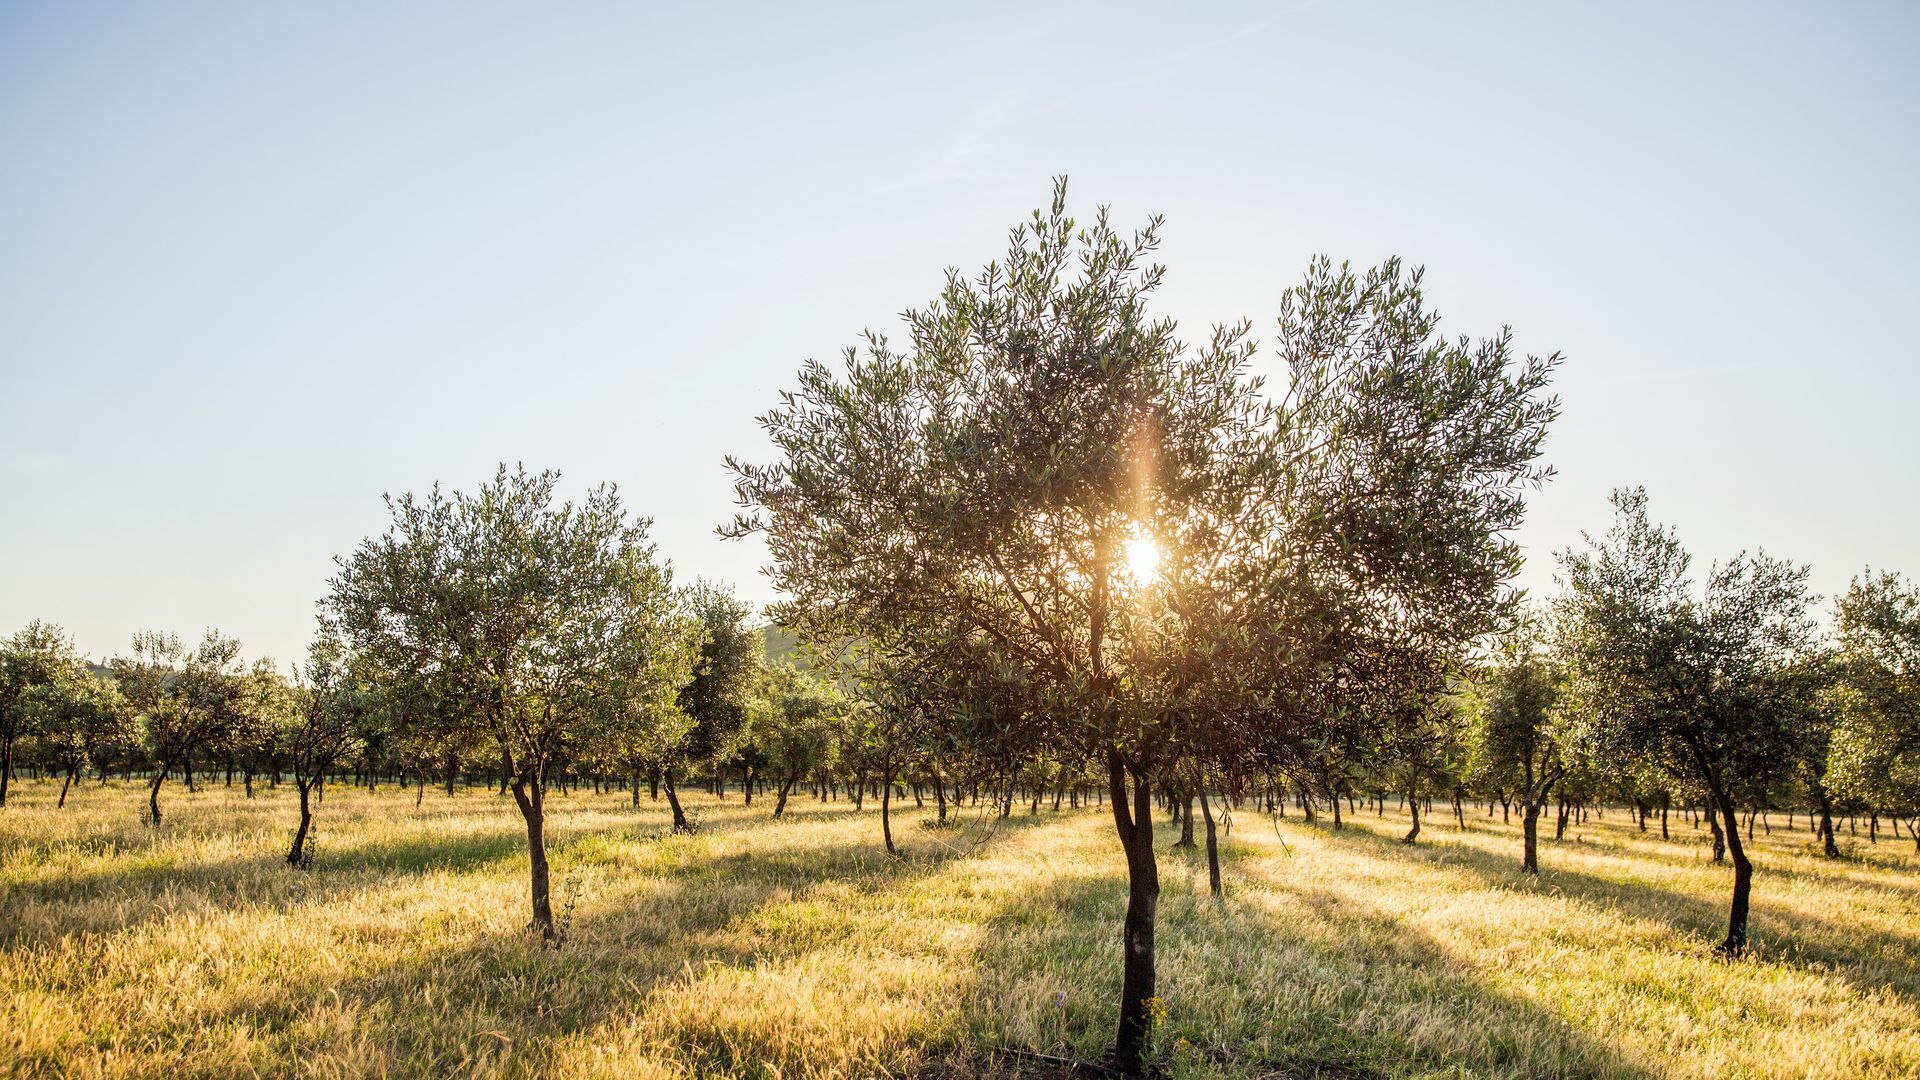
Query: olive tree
{"type": "Point", "coordinates": [715, 699]}
{"type": "Point", "coordinates": [32, 661]}
{"type": "Point", "coordinates": [547, 625]}
{"type": "Point", "coordinates": [1516, 733]}
{"type": "Point", "coordinates": [77, 720]}
{"type": "Point", "coordinates": [793, 722]}
{"type": "Point", "coordinates": [182, 700]}
{"type": "Point", "coordinates": [324, 721]}
{"type": "Point", "coordinates": [1875, 747]}
{"type": "Point", "coordinates": [1706, 686]}
{"type": "Point", "coordinates": [989, 498]}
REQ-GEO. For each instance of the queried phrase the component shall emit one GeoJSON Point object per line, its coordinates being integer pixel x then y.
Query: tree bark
{"type": "Point", "coordinates": [153, 795]}
{"type": "Point", "coordinates": [1827, 845]}
{"type": "Point", "coordinates": [71, 772]}
{"type": "Point", "coordinates": [680, 824]}
{"type": "Point", "coordinates": [780, 803]}
{"type": "Point", "coordinates": [530, 797]}
{"type": "Point", "coordinates": [1213, 847]}
{"type": "Point", "coordinates": [1530, 828]}
{"type": "Point", "coordinates": [1736, 942]}
{"type": "Point", "coordinates": [1136, 932]}
{"type": "Point", "coordinates": [886, 812]}
{"type": "Point", "coordinates": [1413, 807]}
{"type": "Point", "coordinates": [295, 856]}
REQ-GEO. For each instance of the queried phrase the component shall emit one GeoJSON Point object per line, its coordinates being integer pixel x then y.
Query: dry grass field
{"type": "Point", "coordinates": [796, 949]}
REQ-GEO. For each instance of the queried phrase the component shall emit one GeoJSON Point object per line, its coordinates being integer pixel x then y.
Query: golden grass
{"type": "Point", "coordinates": [796, 949]}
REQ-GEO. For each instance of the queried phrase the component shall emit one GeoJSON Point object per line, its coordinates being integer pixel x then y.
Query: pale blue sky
{"type": "Point", "coordinates": [261, 263]}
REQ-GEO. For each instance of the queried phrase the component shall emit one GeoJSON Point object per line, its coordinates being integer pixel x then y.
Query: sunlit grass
{"type": "Point", "coordinates": [798, 949]}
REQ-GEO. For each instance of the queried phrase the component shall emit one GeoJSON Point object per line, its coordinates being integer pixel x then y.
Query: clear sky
{"type": "Point", "coordinates": [261, 263]}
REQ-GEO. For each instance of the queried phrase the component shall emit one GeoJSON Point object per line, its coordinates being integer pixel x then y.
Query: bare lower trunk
{"type": "Point", "coordinates": [297, 856]}
{"type": "Point", "coordinates": [529, 796]}
{"type": "Point", "coordinates": [780, 802]}
{"type": "Point", "coordinates": [6, 768]}
{"type": "Point", "coordinates": [1530, 828]}
{"type": "Point", "coordinates": [71, 772]}
{"type": "Point", "coordinates": [1827, 845]}
{"type": "Point", "coordinates": [1413, 807]}
{"type": "Point", "coordinates": [153, 795]}
{"type": "Point", "coordinates": [680, 824]}
{"type": "Point", "coordinates": [1213, 847]}
{"type": "Point", "coordinates": [886, 813]}
{"type": "Point", "coordinates": [1143, 897]}
{"type": "Point", "coordinates": [1736, 942]}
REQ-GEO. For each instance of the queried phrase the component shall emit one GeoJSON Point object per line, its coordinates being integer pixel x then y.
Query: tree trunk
{"type": "Point", "coordinates": [886, 816]}
{"type": "Point", "coordinates": [1736, 942]}
{"type": "Point", "coordinates": [1530, 828]}
{"type": "Point", "coordinates": [1213, 847]}
{"type": "Point", "coordinates": [780, 803]}
{"type": "Point", "coordinates": [1184, 805]}
{"type": "Point", "coordinates": [748, 785]}
{"type": "Point", "coordinates": [153, 795]}
{"type": "Point", "coordinates": [6, 766]}
{"type": "Point", "coordinates": [71, 771]}
{"type": "Point", "coordinates": [1719, 836]}
{"type": "Point", "coordinates": [296, 857]}
{"type": "Point", "coordinates": [530, 797]}
{"type": "Point", "coordinates": [1413, 807]}
{"type": "Point", "coordinates": [1827, 845]}
{"type": "Point", "coordinates": [680, 824]}
{"type": "Point", "coordinates": [940, 796]}
{"type": "Point", "coordinates": [1136, 932]}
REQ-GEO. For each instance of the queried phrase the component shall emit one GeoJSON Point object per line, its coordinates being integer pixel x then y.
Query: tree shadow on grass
{"type": "Point", "coordinates": [500, 1002]}
{"type": "Point", "coordinates": [120, 898]}
{"type": "Point", "coordinates": [1348, 990]}
{"type": "Point", "coordinates": [1871, 959]}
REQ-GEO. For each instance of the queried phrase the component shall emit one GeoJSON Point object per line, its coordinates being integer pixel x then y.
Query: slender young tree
{"type": "Point", "coordinates": [183, 701]}
{"type": "Point", "coordinates": [715, 700]}
{"type": "Point", "coordinates": [79, 720]}
{"type": "Point", "coordinates": [794, 718]}
{"type": "Point", "coordinates": [316, 728]}
{"type": "Point", "coordinates": [1516, 732]}
{"type": "Point", "coordinates": [1874, 758]}
{"type": "Point", "coordinates": [39, 656]}
{"type": "Point", "coordinates": [542, 623]}
{"type": "Point", "coordinates": [1706, 687]}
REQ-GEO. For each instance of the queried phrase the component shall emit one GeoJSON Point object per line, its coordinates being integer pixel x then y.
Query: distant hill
{"type": "Point", "coordinates": [781, 644]}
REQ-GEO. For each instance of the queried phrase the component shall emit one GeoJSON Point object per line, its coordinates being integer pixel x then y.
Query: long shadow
{"type": "Point", "coordinates": [1379, 980]}
{"type": "Point", "coordinates": [1792, 938]}
{"type": "Point", "coordinates": [525, 1000]}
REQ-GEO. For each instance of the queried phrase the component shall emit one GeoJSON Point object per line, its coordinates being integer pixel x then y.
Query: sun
{"type": "Point", "coordinates": [1143, 558]}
